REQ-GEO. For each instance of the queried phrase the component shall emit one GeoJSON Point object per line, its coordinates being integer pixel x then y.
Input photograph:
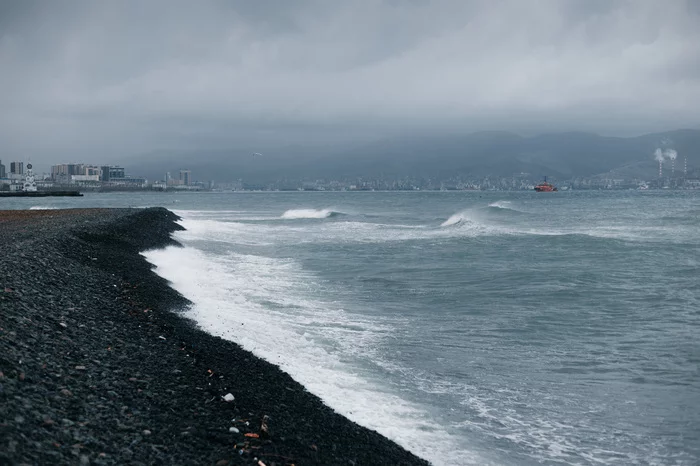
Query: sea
{"type": "Point", "coordinates": [504, 328]}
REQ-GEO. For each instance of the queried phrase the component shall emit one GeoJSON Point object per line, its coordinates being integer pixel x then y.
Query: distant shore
{"type": "Point", "coordinates": [97, 367]}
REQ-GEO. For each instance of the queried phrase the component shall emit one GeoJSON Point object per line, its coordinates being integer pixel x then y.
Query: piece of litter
{"type": "Point", "coordinates": [161, 337]}
{"type": "Point", "coordinates": [251, 435]}
{"type": "Point", "coordinates": [228, 397]}
{"type": "Point", "coordinates": [63, 324]}
{"type": "Point", "coordinates": [233, 430]}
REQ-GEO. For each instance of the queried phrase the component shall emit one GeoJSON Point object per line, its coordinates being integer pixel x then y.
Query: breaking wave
{"type": "Point", "coordinates": [467, 223]}
{"type": "Point", "coordinates": [504, 207]}
{"type": "Point", "coordinates": [460, 218]}
{"type": "Point", "coordinates": [470, 223]}
{"type": "Point", "coordinates": [309, 213]}
{"type": "Point", "coordinates": [288, 323]}
{"type": "Point", "coordinates": [501, 205]}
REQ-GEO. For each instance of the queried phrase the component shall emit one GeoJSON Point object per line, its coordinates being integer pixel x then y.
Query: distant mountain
{"type": "Point", "coordinates": [560, 155]}
{"type": "Point", "coordinates": [252, 164]}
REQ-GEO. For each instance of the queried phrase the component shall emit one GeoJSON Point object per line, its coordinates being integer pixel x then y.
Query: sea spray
{"type": "Point", "coordinates": [308, 213]}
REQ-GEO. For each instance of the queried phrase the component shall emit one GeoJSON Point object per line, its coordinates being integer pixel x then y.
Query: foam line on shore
{"type": "Point", "coordinates": [107, 364]}
{"type": "Point", "coordinates": [232, 296]}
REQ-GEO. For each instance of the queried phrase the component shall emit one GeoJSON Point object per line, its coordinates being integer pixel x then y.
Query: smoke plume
{"type": "Point", "coordinates": [670, 154]}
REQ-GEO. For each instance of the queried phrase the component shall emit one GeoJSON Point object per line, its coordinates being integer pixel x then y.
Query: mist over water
{"type": "Point", "coordinates": [471, 328]}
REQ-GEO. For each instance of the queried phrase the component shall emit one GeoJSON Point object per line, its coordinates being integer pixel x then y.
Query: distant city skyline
{"type": "Point", "coordinates": [88, 177]}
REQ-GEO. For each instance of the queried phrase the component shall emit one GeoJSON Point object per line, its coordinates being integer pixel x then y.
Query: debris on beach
{"type": "Point", "coordinates": [263, 427]}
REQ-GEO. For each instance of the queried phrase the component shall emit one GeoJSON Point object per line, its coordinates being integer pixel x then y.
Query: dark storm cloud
{"type": "Point", "coordinates": [124, 76]}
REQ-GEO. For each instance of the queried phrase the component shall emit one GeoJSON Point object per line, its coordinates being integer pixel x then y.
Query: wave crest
{"type": "Point", "coordinates": [459, 218]}
{"type": "Point", "coordinates": [503, 206]}
{"type": "Point", "coordinates": [308, 213]}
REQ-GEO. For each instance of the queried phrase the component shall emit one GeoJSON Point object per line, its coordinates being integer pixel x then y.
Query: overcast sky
{"type": "Point", "coordinates": [120, 77]}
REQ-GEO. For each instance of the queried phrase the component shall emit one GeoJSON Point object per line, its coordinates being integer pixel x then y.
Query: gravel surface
{"type": "Point", "coordinates": [97, 367]}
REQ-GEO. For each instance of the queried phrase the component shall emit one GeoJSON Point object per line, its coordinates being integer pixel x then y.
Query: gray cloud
{"type": "Point", "coordinates": [117, 77]}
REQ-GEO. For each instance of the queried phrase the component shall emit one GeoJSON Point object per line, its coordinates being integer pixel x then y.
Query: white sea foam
{"type": "Point", "coordinates": [239, 231]}
{"type": "Point", "coordinates": [469, 223]}
{"type": "Point", "coordinates": [275, 309]}
{"type": "Point", "coordinates": [227, 215]}
{"type": "Point", "coordinates": [464, 217]}
{"type": "Point", "coordinates": [207, 212]}
{"type": "Point", "coordinates": [264, 230]}
{"type": "Point", "coordinates": [226, 232]}
{"type": "Point", "coordinates": [473, 223]}
{"type": "Point", "coordinates": [41, 207]}
{"type": "Point", "coordinates": [307, 213]}
{"type": "Point", "coordinates": [455, 219]}
{"type": "Point", "coordinates": [502, 205]}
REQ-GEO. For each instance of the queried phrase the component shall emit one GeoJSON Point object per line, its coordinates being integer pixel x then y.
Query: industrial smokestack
{"type": "Point", "coordinates": [659, 156]}
{"type": "Point", "coordinates": [671, 154]}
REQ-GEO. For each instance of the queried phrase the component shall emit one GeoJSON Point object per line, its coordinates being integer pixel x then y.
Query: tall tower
{"type": "Point", "coordinates": [29, 183]}
{"type": "Point", "coordinates": [685, 167]}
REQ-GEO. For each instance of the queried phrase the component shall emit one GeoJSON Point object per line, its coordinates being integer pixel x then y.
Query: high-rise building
{"type": "Point", "coordinates": [17, 168]}
{"type": "Point", "coordinates": [2, 170]}
{"type": "Point", "coordinates": [185, 176]}
{"type": "Point", "coordinates": [112, 173]}
{"type": "Point", "coordinates": [58, 170]}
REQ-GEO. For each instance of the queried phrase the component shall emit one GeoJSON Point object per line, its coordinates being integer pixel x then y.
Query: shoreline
{"type": "Point", "coordinates": [99, 368]}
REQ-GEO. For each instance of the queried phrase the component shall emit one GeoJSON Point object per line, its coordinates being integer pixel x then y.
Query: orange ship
{"type": "Point", "coordinates": [545, 187]}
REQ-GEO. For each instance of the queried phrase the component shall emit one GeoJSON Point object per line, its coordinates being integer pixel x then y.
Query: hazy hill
{"type": "Point", "coordinates": [562, 155]}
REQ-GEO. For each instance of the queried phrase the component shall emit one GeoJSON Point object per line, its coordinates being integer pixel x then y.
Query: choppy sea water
{"type": "Point", "coordinates": [471, 328]}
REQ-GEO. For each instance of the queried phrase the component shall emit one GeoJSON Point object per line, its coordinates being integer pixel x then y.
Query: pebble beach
{"type": "Point", "coordinates": [97, 366]}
